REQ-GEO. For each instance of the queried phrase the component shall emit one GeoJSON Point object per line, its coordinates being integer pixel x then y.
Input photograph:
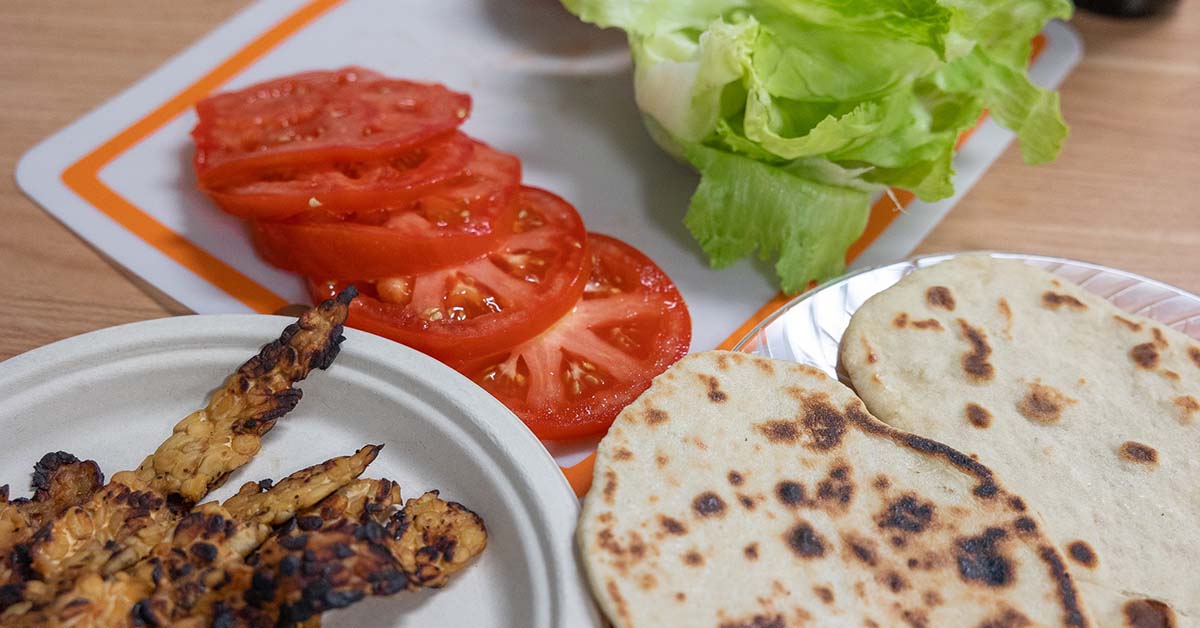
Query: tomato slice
{"type": "Point", "coordinates": [318, 116]}
{"type": "Point", "coordinates": [488, 304]}
{"type": "Point", "coordinates": [574, 378]}
{"type": "Point", "coordinates": [345, 187]}
{"type": "Point", "coordinates": [451, 223]}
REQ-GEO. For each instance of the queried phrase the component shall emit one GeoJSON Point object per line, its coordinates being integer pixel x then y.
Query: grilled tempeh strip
{"type": "Point", "coordinates": [349, 548]}
{"type": "Point", "coordinates": [211, 443]}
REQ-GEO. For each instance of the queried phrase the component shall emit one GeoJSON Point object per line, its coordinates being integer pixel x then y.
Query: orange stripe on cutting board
{"type": "Point", "coordinates": [84, 175]}
{"type": "Point", "coordinates": [883, 213]}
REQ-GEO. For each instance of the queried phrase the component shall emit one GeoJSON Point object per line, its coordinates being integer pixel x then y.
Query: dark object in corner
{"type": "Point", "coordinates": [1127, 8]}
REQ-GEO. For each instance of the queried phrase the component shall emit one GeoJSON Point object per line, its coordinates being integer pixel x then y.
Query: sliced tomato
{"type": "Point", "coordinates": [449, 224]}
{"type": "Point", "coordinates": [486, 305]}
{"type": "Point", "coordinates": [321, 116]}
{"type": "Point", "coordinates": [345, 187]}
{"type": "Point", "coordinates": [574, 378]}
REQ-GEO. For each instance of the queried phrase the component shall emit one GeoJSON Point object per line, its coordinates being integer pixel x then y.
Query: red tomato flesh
{"type": "Point", "coordinates": [449, 224]}
{"type": "Point", "coordinates": [574, 378]}
{"type": "Point", "coordinates": [346, 187]}
{"type": "Point", "coordinates": [488, 304]}
{"type": "Point", "coordinates": [321, 116]}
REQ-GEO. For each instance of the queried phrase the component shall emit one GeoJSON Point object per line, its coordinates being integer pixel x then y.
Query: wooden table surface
{"type": "Point", "coordinates": [1122, 193]}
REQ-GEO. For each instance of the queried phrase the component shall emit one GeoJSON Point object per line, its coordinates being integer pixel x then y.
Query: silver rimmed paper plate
{"type": "Point", "coordinates": [114, 395]}
{"type": "Point", "coordinates": [810, 327]}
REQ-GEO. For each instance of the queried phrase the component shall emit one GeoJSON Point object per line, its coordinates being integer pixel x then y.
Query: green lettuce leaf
{"type": "Point", "coordinates": [808, 224]}
{"type": "Point", "coordinates": [796, 111]}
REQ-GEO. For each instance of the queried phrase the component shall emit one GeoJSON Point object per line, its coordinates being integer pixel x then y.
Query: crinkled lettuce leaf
{"type": "Point", "coordinates": [744, 206]}
{"type": "Point", "coordinates": [796, 112]}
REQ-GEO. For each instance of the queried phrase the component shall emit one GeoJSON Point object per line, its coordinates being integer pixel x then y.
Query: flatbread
{"type": "Point", "coordinates": [1090, 413]}
{"type": "Point", "coordinates": [741, 492]}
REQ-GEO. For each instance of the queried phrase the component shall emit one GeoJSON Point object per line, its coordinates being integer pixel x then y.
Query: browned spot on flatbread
{"type": "Point", "coordinates": [907, 514]}
{"type": "Point", "coordinates": [623, 454]}
{"type": "Point", "coordinates": [790, 494]}
{"type": "Point", "coordinates": [1025, 525]}
{"type": "Point", "coordinates": [871, 357]}
{"type": "Point", "coordinates": [605, 518]}
{"type": "Point", "coordinates": [1010, 618]}
{"type": "Point", "coordinates": [1132, 325]}
{"type": "Point", "coordinates": [837, 490]}
{"type": "Point", "coordinates": [680, 596]}
{"type": "Point", "coordinates": [757, 621]}
{"type": "Point", "coordinates": [893, 581]}
{"type": "Point", "coordinates": [1169, 374]}
{"type": "Point", "coordinates": [618, 601]}
{"type": "Point", "coordinates": [654, 416]}
{"type": "Point", "coordinates": [975, 362]}
{"type": "Point", "coordinates": [1082, 553]}
{"type": "Point", "coordinates": [978, 415]}
{"type": "Point", "coordinates": [1017, 503]}
{"type": "Point", "coordinates": [1145, 355]}
{"type": "Point", "coordinates": [1068, 596]}
{"type": "Point", "coordinates": [915, 618]}
{"type": "Point", "coordinates": [824, 424]}
{"type": "Point", "coordinates": [722, 362]}
{"type": "Point", "coordinates": [940, 296]}
{"type": "Point", "coordinates": [697, 441]}
{"type": "Point", "coordinates": [825, 594]}
{"type": "Point", "coordinates": [1043, 404]}
{"type": "Point", "coordinates": [751, 551]}
{"type": "Point", "coordinates": [765, 366]}
{"type": "Point", "coordinates": [1194, 354]}
{"type": "Point", "coordinates": [715, 394]}
{"type": "Point", "coordinates": [1148, 614]}
{"type": "Point", "coordinates": [647, 581]}
{"type": "Point", "coordinates": [671, 525]}
{"type": "Point", "coordinates": [804, 541]}
{"type": "Point", "coordinates": [863, 551]}
{"type": "Point", "coordinates": [1054, 301]}
{"type": "Point", "coordinates": [931, 598]}
{"type": "Point", "coordinates": [783, 432]}
{"type": "Point", "coordinates": [610, 486]}
{"type": "Point", "coordinates": [1188, 405]}
{"type": "Point", "coordinates": [1160, 339]}
{"type": "Point", "coordinates": [708, 504]}
{"type": "Point", "coordinates": [661, 460]}
{"type": "Point", "coordinates": [901, 321]}
{"type": "Point", "coordinates": [981, 560]}
{"type": "Point", "coordinates": [693, 558]}
{"type": "Point", "coordinates": [746, 501]}
{"type": "Point", "coordinates": [735, 478]}
{"type": "Point", "coordinates": [881, 482]}
{"type": "Point", "coordinates": [1139, 453]}
{"type": "Point", "coordinates": [1006, 312]}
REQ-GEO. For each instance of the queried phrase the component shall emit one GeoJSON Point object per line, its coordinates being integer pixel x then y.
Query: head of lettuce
{"type": "Point", "coordinates": [797, 112]}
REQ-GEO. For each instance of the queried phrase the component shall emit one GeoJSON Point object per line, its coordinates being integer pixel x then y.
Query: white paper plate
{"type": "Point", "coordinates": [809, 328]}
{"type": "Point", "coordinates": [114, 394]}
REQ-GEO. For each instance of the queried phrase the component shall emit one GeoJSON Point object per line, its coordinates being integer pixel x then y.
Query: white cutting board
{"type": "Point", "coordinates": [546, 87]}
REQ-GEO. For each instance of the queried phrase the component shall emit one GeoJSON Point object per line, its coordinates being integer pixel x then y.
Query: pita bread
{"type": "Point", "coordinates": [1090, 413]}
{"type": "Point", "coordinates": [741, 492]}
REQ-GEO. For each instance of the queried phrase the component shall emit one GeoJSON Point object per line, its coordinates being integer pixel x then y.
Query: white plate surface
{"type": "Point", "coordinates": [114, 394]}
{"type": "Point", "coordinates": [809, 329]}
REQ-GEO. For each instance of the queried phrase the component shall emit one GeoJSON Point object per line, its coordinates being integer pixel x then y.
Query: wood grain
{"type": "Point", "coordinates": [1122, 193]}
